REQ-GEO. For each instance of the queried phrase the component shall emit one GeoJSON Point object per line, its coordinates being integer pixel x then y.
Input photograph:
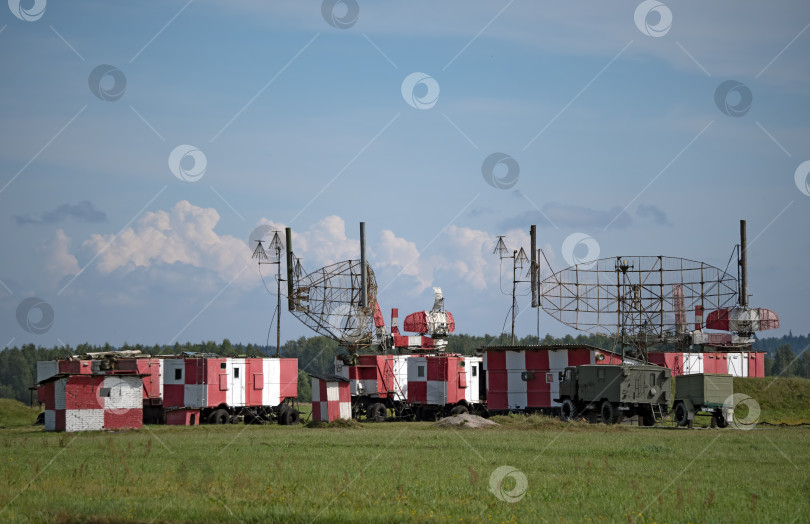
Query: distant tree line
{"type": "Point", "coordinates": [788, 356]}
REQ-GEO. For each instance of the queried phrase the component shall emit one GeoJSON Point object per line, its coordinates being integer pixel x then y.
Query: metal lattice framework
{"type": "Point", "coordinates": [643, 300]}
{"type": "Point", "coordinates": [329, 300]}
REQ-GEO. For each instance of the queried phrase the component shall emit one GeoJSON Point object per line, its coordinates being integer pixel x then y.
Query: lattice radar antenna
{"type": "Point", "coordinates": [644, 301]}
{"type": "Point", "coordinates": [336, 301]}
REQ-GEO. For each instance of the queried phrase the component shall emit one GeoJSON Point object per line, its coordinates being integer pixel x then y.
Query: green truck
{"type": "Point", "coordinates": [707, 393]}
{"type": "Point", "coordinates": [615, 391]}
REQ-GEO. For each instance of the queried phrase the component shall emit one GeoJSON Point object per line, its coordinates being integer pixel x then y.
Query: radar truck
{"type": "Point", "coordinates": [615, 391]}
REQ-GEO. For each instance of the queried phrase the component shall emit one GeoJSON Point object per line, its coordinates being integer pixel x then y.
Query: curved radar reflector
{"type": "Point", "coordinates": [652, 298]}
{"type": "Point", "coordinates": [329, 302]}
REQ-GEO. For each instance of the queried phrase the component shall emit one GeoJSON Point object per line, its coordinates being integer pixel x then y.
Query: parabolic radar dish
{"type": "Point", "coordinates": [329, 301]}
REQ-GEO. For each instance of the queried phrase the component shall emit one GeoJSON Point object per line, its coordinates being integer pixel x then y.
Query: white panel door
{"type": "Point", "coordinates": [235, 369]}
{"type": "Point", "coordinates": [271, 394]}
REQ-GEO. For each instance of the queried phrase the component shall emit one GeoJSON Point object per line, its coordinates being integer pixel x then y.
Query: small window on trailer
{"type": "Point", "coordinates": [222, 365]}
{"type": "Point", "coordinates": [235, 372]}
{"type": "Point", "coordinates": [178, 374]}
{"type": "Point", "coordinates": [420, 371]}
{"type": "Point", "coordinates": [104, 392]}
{"type": "Point", "coordinates": [475, 370]}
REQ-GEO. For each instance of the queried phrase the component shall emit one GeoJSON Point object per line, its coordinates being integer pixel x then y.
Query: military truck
{"type": "Point", "coordinates": [705, 393]}
{"type": "Point", "coordinates": [615, 391]}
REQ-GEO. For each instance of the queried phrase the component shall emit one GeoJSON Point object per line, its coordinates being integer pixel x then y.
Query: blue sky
{"type": "Point", "coordinates": [614, 126]}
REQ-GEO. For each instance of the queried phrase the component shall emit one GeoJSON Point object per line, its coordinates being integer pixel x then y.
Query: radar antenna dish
{"type": "Point", "coordinates": [328, 301]}
{"type": "Point", "coordinates": [640, 300]}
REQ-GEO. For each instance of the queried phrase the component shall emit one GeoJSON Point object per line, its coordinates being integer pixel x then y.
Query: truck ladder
{"type": "Point", "coordinates": [658, 413]}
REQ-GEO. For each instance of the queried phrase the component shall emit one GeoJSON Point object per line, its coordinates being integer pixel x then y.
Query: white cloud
{"type": "Point", "coordinates": [184, 234]}
{"type": "Point", "coordinates": [473, 258]}
{"type": "Point", "coordinates": [401, 254]}
{"type": "Point", "coordinates": [163, 242]}
{"type": "Point", "coordinates": [473, 261]}
{"type": "Point", "coordinates": [324, 243]}
{"type": "Point", "coordinates": [59, 262]}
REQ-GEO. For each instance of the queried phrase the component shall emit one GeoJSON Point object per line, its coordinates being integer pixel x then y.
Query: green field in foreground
{"type": "Point", "coordinates": [405, 471]}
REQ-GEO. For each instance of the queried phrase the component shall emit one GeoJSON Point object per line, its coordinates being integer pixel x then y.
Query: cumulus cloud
{"type": "Point", "coordinates": [472, 257]}
{"type": "Point", "coordinates": [83, 211]}
{"type": "Point", "coordinates": [323, 243]}
{"type": "Point", "coordinates": [473, 262]}
{"type": "Point", "coordinates": [162, 243]}
{"type": "Point", "coordinates": [401, 254]}
{"type": "Point", "coordinates": [184, 234]}
{"type": "Point", "coordinates": [59, 262]}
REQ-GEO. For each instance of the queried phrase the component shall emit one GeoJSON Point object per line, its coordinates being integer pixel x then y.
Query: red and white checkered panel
{"type": "Point", "coordinates": [173, 378]}
{"type": "Point", "coordinates": [377, 376]}
{"type": "Point", "coordinates": [529, 379]}
{"type": "Point", "coordinates": [331, 400]}
{"type": "Point", "coordinates": [209, 382]}
{"type": "Point", "coordinates": [738, 364]}
{"type": "Point", "coordinates": [94, 402]}
{"type": "Point", "coordinates": [150, 368]}
{"type": "Point", "coordinates": [438, 380]}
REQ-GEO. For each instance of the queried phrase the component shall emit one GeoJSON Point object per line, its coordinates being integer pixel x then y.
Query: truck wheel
{"type": "Point", "coordinates": [376, 413]}
{"type": "Point", "coordinates": [648, 418]}
{"type": "Point", "coordinates": [721, 420]}
{"type": "Point", "coordinates": [291, 417]}
{"type": "Point", "coordinates": [681, 415]}
{"type": "Point", "coordinates": [282, 414]}
{"type": "Point", "coordinates": [568, 410]}
{"type": "Point", "coordinates": [219, 416]}
{"type": "Point", "coordinates": [609, 413]}
{"type": "Point", "coordinates": [459, 410]}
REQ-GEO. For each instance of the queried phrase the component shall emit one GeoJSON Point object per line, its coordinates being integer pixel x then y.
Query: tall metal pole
{"type": "Point", "coordinates": [538, 297]}
{"type": "Point", "coordinates": [533, 267]}
{"type": "Point", "coordinates": [290, 301]}
{"type": "Point", "coordinates": [534, 274]}
{"type": "Point", "coordinates": [743, 266]}
{"type": "Point", "coordinates": [363, 284]}
{"type": "Point", "coordinates": [514, 285]}
{"type": "Point", "coordinates": [278, 306]}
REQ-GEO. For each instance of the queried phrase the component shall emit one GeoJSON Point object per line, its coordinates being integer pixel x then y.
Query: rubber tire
{"type": "Point", "coordinates": [282, 414]}
{"type": "Point", "coordinates": [721, 421]}
{"type": "Point", "coordinates": [610, 415]}
{"type": "Point", "coordinates": [459, 410]}
{"type": "Point", "coordinates": [681, 414]}
{"type": "Point", "coordinates": [648, 419]}
{"type": "Point", "coordinates": [219, 416]}
{"type": "Point", "coordinates": [568, 410]}
{"type": "Point", "coordinates": [376, 412]}
{"type": "Point", "coordinates": [291, 417]}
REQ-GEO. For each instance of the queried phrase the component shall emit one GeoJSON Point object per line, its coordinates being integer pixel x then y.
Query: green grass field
{"type": "Point", "coordinates": [574, 472]}
{"type": "Point", "coordinates": [405, 471]}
